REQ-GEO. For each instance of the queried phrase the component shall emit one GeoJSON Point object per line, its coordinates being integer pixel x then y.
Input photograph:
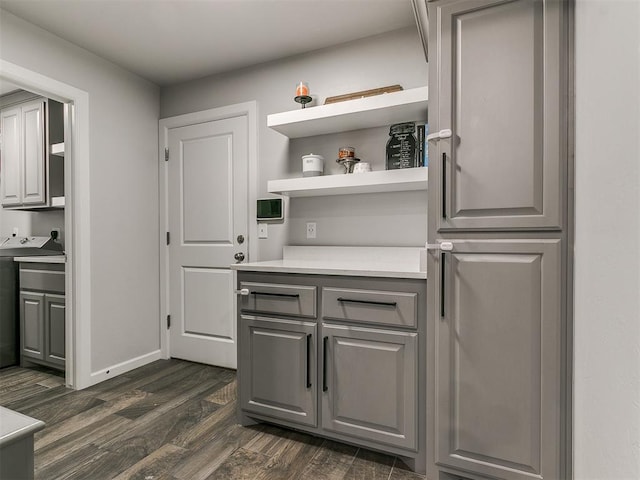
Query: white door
{"type": "Point", "coordinates": [207, 213]}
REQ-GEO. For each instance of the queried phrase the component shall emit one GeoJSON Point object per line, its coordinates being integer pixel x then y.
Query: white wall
{"type": "Point", "coordinates": [607, 246]}
{"type": "Point", "coordinates": [393, 58]}
{"type": "Point", "coordinates": [123, 129]}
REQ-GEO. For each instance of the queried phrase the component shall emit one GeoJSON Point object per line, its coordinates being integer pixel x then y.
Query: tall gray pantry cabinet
{"type": "Point", "coordinates": [499, 76]}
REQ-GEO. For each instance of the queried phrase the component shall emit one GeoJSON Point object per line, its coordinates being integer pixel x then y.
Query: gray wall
{"type": "Point", "coordinates": [607, 245]}
{"type": "Point", "coordinates": [393, 58]}
{"type": "Point", "coordinates": [123, 128]}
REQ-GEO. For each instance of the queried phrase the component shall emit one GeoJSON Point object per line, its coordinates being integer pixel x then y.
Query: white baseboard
{"type": "Point", "coordinates": [120, 368]}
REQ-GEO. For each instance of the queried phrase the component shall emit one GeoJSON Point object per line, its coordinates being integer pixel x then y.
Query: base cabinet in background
{"type": "Point", "coordinates": [42, 314]}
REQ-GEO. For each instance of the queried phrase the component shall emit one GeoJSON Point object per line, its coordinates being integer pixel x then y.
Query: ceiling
{"type": "Point", "coordinates": [172, 41]}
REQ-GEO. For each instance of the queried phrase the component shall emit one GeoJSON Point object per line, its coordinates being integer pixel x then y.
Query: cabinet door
{"type": "Point", "coordinates": [370, 384]}
{"type": "Point", "coordinates": [32, 325]}
{"type": "Point", "coordinates": [277, 371]}
{"type": "Point", "coordinates": [33, 184]}
{"type": "Point", "coordinates": [498, 68]}
{"type": "Point", "coordinates": [498, 357]}
{"type": "Point", "coordinates": [10, 167]}
{"type": "Point", "coordinates": [54, 320]}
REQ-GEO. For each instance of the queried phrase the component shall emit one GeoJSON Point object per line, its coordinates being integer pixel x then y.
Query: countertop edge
{"type": "Point", "coordinates": [330, 271]}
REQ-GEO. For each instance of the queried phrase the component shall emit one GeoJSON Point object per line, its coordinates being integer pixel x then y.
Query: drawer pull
{"type": "Point", "coordinates": [308, 360]}
{"type": "Point", "coordinates": [325, 343]}
{"type": "Point", "coordinates": [270, 294]}
{"type": "Point", "coordinates": [367, 302]}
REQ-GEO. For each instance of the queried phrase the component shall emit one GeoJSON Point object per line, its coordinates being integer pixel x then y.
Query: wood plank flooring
{"type": "Point", "coordinates": [172, 420]}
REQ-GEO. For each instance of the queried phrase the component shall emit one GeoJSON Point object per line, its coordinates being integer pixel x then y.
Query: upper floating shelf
{"type": "Point", "coordinates": [376, 111]}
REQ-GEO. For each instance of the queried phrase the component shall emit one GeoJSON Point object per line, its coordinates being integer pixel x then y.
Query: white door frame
{"type": "Point", "coordinates": [246, 109]}
{"type": "Point", "coordinates": [77, 222]}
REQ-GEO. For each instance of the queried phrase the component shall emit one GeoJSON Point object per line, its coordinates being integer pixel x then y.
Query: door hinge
{"type": "Point", "coordinates": [166, 154]}
{"type": "Point", "coordinates": [168, 321]}
{"type": "Point", "coordinates": [168, 238]}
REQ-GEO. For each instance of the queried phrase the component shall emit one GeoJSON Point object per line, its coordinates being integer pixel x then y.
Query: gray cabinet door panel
{"type": "Point", "coordinates": [370, 306]}
{"type": "Point", "coordinates": [498, 72]}
{"type": "Point", "coordinates": [278, 368]}
{"type": "Point", "coordinates": [55, 329]}
{"type": "Point", "coordinates": [498, 351]}
{"type": "Point", "coordinates": [371, 384]}
{"type": "Point", "coordinates": [296, 300]}
{"type": "Point", "coordinates": [32, 325]}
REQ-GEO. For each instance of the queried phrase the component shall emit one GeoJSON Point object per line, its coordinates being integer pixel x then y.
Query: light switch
{"type": "Point", "coordinates": [262, 230]}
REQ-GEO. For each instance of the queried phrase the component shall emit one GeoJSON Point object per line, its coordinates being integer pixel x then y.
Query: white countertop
{"type": "Point", "coordinates": [390, 262]}
{"type": "Point", "coordinates": [42, 259]}
{"type": "Point", "coordinates": [14, 426]}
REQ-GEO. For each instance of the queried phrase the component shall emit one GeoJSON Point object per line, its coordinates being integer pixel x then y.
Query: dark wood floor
{"type": "Point", "coordinates": [172, 420]}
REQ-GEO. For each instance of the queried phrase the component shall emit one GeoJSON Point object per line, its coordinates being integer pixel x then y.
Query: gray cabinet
{"type": "Point", "coordinates": [30, 176]}
{"type": "Point", "coordinates": [370, 384]}
{"type": "Point", "coordinates": [498, 70]}
{"type": "Point", "coordinates": [54, 323]}
{"type": "Point", "coordinates": [499, 341]}
{"type": "Point", "coordinates": [278, 369]}
{"type": "Point", "coordinates": [32, 325]}
{"type": "Point", "coordinates": [498, 200]}
{"type": "Point", "coordinates": [42, 314]}
{"type": "Point", "coordinates": [341, 357]}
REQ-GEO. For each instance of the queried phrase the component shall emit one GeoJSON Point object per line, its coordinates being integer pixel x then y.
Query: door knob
{"type": "Point", "coordinates": [239, 257]}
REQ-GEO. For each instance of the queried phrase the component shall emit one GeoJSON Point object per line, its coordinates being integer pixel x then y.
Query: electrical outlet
{"type": "Point", "coordinates": [262, 230]}
{"type": "Point", "coordinates": [311, 230]}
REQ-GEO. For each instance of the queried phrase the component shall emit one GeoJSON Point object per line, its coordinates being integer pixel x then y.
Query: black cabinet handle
{"type": "Point", "coordinates": [270, 294]}
{"type": "Point", "coordinates": [308, 360]}
{"type": "Point", "coordinates": [368, 302]}
{"type": "Point", "coordinates": [444, 185]}
{"type": "Point", "coordinates": [325, 343]}
{"type": "Point", "coordinates": [442, 282]}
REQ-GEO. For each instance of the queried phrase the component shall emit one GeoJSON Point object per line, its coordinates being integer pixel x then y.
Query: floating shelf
{"type": "Point", "coordinates": [385, 109]}
{"type": "Point", "coordinates": [57, 202]}
{"type": "Point", "coordinates": [406, 179]}
{"type": "Point", "coordinates": [57, 149]}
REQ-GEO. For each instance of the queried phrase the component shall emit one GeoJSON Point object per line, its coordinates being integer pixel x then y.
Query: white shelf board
{"type": "Point", "coordinates": [57, 149]}
{"type": "Point", "coordinates": [385, 109]}
{"type": "Point", "coordinates": [57, 202]}
{"type": "Point", "coordinates": [369, 182]}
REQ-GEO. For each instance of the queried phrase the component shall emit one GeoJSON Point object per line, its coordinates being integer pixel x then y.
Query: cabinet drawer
{"type": "Point", "coordinates": [370, 306]}
{"type": "Point", "coordinates": [42, 277]}
{"type": "Point", "coordinates": [294, 300]}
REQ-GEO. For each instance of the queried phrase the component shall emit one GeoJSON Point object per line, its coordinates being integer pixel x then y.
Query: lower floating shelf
{"type": "Point", "coordinates": [406, 179]}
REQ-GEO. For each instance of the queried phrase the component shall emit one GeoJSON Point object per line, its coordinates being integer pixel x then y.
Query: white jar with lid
{"type": "Point", "coordinates": [312, 165]}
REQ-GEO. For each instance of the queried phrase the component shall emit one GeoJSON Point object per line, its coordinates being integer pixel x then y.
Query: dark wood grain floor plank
{"type": "Point", "coordinates": [26, 405]}
{"type": "Point", "coordinates": [207, 457]}
{"type": "Point", "coordinates": [331, 462]}
{"type": "Point", "coordinates": [154, 465]}
{"type": "Point", "coordinates": [87, 417]}
{"type": "Point", "coordinates": [166, 422]}
{"type": "Point", "coordinates": [241, 465]}
{"type": "Point", "coordinates": [370, 465]}
{"type": "Point", "coordinates": [64, 407]}
{"type": "Point", "coordinates": [63, 447]}
{"type": "Point", "coordinates": [17, 393]}
{"type": "Point", "coordinates": [68, 465]}
{"type": "Point", "coordinates": [224, 395]}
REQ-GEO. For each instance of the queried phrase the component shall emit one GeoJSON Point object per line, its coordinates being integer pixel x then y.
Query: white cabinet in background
{"type": "Point", "coordinates": [29, 176]}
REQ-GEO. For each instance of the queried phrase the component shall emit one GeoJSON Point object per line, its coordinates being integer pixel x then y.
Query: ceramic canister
{"type": "Point", "coordinates": [312, 165]}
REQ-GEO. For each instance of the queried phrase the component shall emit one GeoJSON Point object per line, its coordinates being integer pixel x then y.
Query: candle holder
{"type": "Point", "coordinates": [303, 99]}
{"type": "Point", "coordinates": [302, 94]}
